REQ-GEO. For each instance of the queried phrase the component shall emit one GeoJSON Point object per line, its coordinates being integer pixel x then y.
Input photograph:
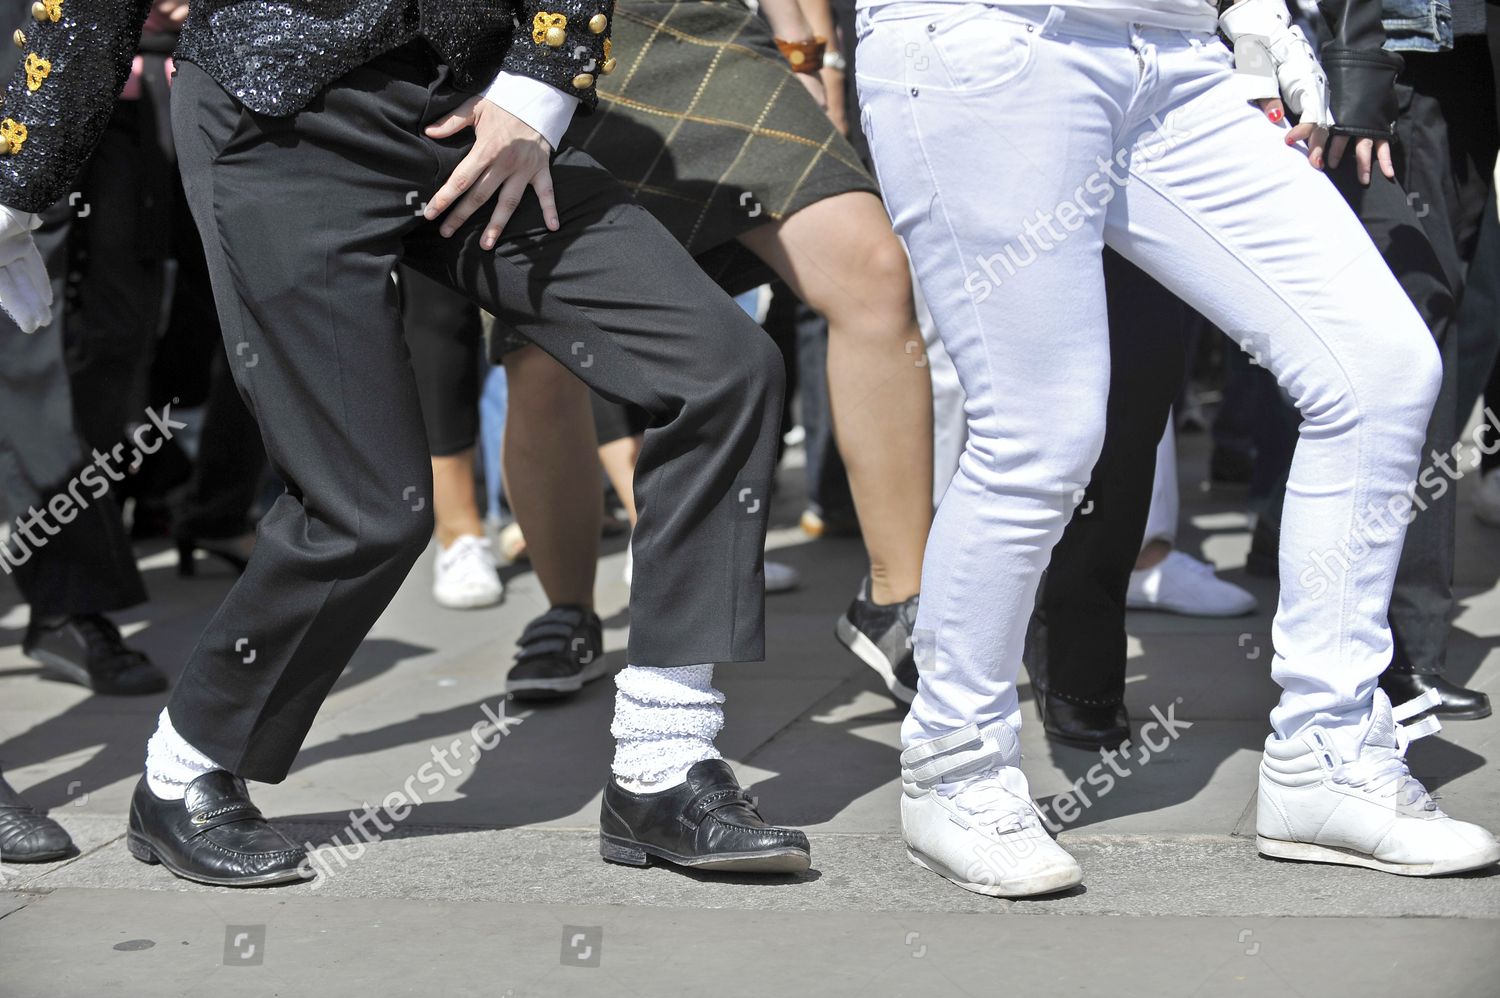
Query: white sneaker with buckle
{"type": "Point", "coordinates": [967, 815]}
{"type": "Point", "coordinates": [466, 576]}
{"type": "Point", "coordinates": [1180, 583]}
{"type": "Point", "coordinates": [1367, 810]}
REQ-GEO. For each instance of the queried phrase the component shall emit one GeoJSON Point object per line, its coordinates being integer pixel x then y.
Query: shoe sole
{"type": "Point", "coordinates": [628, 852]}
{"type": "Point", "coordinates": [141, 849]}
{"type": "Point", "coordinates": [57, 668]}
{"type": "Point", "coordinates": [869, 653]}
{"type": "Point", "coordinates": [1049, 882]}
{"type": "Point", "coordinates": [469, 602]}
{"type": "Point", "coordinates": [556, 689]}
{"type": "Point", "coordinates": [1307, 852]}
{"type": "Point", "coordinates": [1182, 611]}
{"type": "Point", "coordinates": [46, 857]}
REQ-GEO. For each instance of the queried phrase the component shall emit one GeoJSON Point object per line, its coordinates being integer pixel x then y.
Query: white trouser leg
{"type": "Point", "coordinates": [986, 126]}
{"type": "Point", "coordinates": [949, 430]}
{"type": "Point", "coordinates": [1161, 520]}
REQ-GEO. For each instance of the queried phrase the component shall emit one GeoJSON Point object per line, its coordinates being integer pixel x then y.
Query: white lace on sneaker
{"type": "Point", "coordinates": [1384, 757]}
{"type": "Point", "coordinates": [990, 801]}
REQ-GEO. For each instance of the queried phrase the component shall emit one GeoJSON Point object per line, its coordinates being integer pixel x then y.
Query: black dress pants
{"type": "Point", "coordinates": [303, 219]}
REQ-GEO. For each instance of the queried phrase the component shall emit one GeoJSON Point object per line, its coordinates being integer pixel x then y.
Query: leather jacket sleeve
{"type": "Point", "coordinates": [77, 56]}
{"type": "Point", "coordinates": [1361, 74]}
{"type": "Point", "coordinates": [564, 43]}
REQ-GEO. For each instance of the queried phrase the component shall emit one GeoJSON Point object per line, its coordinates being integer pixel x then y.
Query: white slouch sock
{"type": "Point", "coordinates": [172, 763]}
{"type": "Point", "coordinates": [665, 722]}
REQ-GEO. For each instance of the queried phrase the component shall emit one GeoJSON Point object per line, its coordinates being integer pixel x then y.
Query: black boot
{"type": "Point", "coordinates": [214, 835]}
{"type": "Point", "coordinates": [25, 835]}
{"type": "Point", "coordinates": [707, 823]}
{"type": "Point", "coordinates": [1090, 726]}
{"type": "Point", "coordinates": [1458, 703]}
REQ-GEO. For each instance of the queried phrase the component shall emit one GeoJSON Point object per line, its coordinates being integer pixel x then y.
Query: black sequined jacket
{"type": "Point", "coordinates": [274, 55]}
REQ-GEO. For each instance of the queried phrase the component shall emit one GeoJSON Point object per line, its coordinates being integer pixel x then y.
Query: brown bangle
{"type": "Point", "coordinates": [804, 57]}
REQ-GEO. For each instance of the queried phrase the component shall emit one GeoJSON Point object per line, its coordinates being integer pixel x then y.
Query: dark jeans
{"type": "Point", "coordinates": [1075, 645]}
{"type": "Point", "coordinates": [88, 565]}
{"type": "Point", "coordinates": [304, 218]}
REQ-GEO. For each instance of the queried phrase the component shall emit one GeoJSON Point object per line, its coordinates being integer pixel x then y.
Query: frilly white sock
{"type": "Point", "coordinates": [665, 722]}
{"type": "Point", "coordinates": [172, 763]}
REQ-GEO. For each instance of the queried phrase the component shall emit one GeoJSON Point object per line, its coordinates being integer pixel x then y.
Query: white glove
{"type": "Point", "coordinates": [25, 288]}
{"type": "Point", "coordinates": [1271, 54]}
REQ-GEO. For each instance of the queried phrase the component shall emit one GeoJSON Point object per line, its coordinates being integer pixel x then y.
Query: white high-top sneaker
{"type": "Point", "coordinates": [1365, 811]}
{"type": "Point", "coordinates": [967, 815]}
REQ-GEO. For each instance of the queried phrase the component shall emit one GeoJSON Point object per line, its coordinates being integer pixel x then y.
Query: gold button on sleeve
{"type": "Point", "coordinates": [598, 23]}
{"type": "Point", "coordinates": [583, 81]}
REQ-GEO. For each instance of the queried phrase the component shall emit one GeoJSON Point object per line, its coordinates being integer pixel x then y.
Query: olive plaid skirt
{"type": "Point", "coordinates": [704, 121]}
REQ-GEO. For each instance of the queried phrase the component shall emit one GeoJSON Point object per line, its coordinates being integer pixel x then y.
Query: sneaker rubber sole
{"type": "Point", "coordinates": [1049, 881]}
{"type": "Point", "coordinates": [1307, 852]}
{"type": "Point", "coordinates": [559, 687]}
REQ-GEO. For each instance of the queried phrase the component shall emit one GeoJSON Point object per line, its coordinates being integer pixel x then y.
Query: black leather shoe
{"type": "Point", "coordinates": [25, 835]}
{"type": "Point", "coordinates": [1090, 726]}
{"type": "Point", "coordinates": [558, 652]}
{"type": "Point", "coordinates": [214, 835]}
{"type": "Point", "coordinates": [707, 823]}
{"type": "Point", "coordinates": [87, 649]}
{"type": "Point", "coordinates": [1458, 703]}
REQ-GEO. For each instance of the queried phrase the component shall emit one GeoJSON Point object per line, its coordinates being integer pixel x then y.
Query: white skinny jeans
{"type": "Point", "coordinates": [1012, 144]}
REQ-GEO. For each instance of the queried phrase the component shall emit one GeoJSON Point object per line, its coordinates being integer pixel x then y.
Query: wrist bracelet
{"type": "Point", "coordinates": [804, 57]}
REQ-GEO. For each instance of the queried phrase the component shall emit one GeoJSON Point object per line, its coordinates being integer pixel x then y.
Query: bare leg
{"type": "Point", "coordinates": [552, 474]}
{"type": "Point", "coordinates": [619, 457]}
{"type": "Point", "coordinates": [840, 256]}
{"type": "Point", "coordinates": [453, 504]}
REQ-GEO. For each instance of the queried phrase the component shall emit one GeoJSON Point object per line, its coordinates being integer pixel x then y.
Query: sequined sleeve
{"type": "Point", "coordinates": [564, 43]}
{"type": "Point", "coordinates": [77, 55]}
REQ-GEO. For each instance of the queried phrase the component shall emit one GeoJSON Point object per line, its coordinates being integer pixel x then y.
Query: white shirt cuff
{"type": "Point", "coordinates": [541, 105]}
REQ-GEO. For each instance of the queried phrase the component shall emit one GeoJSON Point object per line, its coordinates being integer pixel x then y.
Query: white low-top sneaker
{"type": "Point", "coordinates": [1367, 810]}
{"type": "Point", "coordinates": [781, 577]}
{"type": "Point", "coordinates": [967, 815]}
{"type": "Point", "coordinates": [466, 576]}
{"type": "Point", "coordinates": [1487, 499]}
{"type": "Point", "coordinates": [1180, 583]}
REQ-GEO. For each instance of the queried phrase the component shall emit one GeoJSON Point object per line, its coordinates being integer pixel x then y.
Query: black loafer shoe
{"type": "Point", "coordinates": [559, 652]}
{"type": "Point", "coordinates": [707, 823]}
{"type": "Point", "coordinates": [87, 649]}
{"type": "Point", "coordinates": [879, 634]}
{"type": "Point", "coordinates": [1458, 704]}
{"type": "Point", "coordinates": [25, 835]}
{"type": "Point", "coordinates": [214, 835]}
{"type": "Point", "coordinates": [1090, 726]}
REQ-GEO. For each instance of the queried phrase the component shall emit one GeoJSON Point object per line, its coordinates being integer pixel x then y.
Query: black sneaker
{"type": "Point", "coordinates": [880, 634]}
{"type": "Point", "coordinates": [559, 652]}
{"type": "Point", "coordinates": [87, 649]}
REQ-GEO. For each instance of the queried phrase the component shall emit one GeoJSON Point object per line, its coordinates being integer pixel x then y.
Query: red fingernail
{"type": "Point", "coordinates": [1275, 115]}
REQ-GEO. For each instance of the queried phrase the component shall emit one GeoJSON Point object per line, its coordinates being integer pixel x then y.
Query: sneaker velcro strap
{"type": "Point", "coordinates": [960, 753]}
{"type": "Point", "coordinates": [551, 633]}
{"type": "Point", "coordinates": [215, 816]}
{"type": "Point", "coordinates": [1411, 708]}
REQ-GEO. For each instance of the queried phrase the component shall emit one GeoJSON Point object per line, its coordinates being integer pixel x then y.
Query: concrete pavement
{"type": "Point", "coordinates": [493, 886]}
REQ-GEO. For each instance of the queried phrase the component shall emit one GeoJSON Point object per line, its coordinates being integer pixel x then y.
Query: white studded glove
{"type": "Point", "coordinates": [1273, 58]}
{"type": "Point", "coordinates": [25, 289]}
